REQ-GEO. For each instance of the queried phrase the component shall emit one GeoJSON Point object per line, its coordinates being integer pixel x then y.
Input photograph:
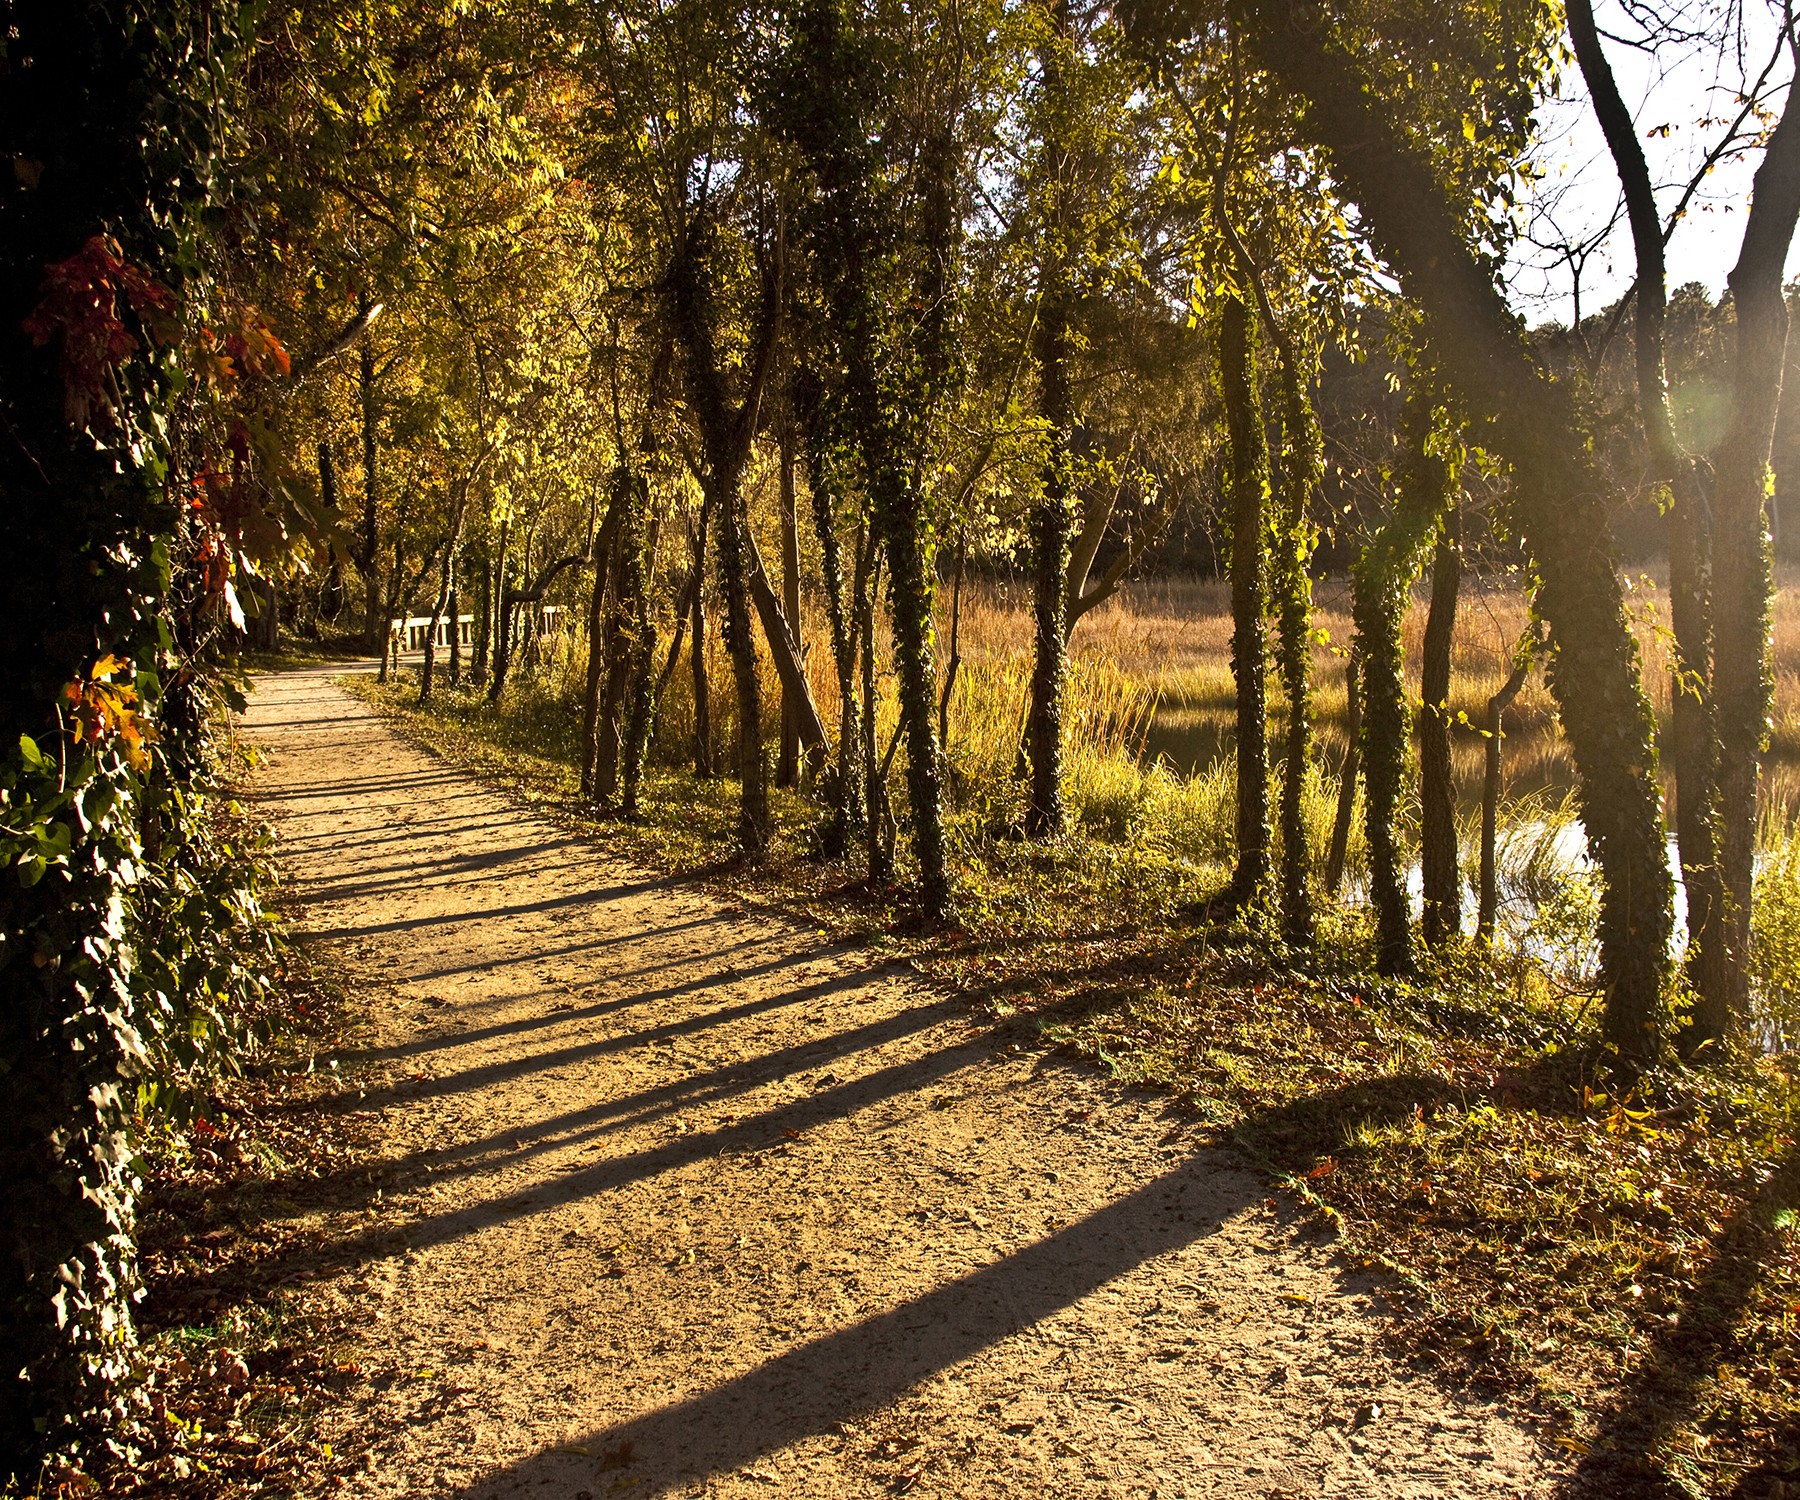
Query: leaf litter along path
{"type": "Point", "coordinates": [678, 1199]}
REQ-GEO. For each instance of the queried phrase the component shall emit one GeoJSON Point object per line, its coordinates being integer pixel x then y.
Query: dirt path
{"type": "Point", "coordinates": [685, 1201]}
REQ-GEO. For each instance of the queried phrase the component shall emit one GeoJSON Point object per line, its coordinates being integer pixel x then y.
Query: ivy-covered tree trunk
{"type": "Point", "coordinates": [1052, 516]}
{"type": "Point", "coordinates": [1381, 588]}
{"type": "Point", "coordinates": [453, 673]}
{"type": "Point", "coordinates": [787, 763]}
{"type": "Point", "coordinates": [1052, 521]}
{"type": "Point", "coordinates": [896, 368]}
{"type": "Point", "coordinates": [1378, 606]}
{"type": "Point", "coordinates": [1439, 871]}
{"type": "Point", "coordinates": [727, 430]}
{"type": "Point", "coordinates": [112, 111]}
{"type": "Point", "coordinates": [623, 646]}
{"type": "Point", "coordinates": [493, 582]}
{"type": "Point", "coordinates": [1693, 746]}
{"type": "Point", "coordinates": [847, 796]}
{"type": "Point", "coordinates": [703, 730]}
{"type": "Point", "coordinates": [1743, 563]}
{"type": "Point", "coordinates": [1302, 464]}
{"type": "Point", "coordinates": [1248, 487]}
{"type": "Point", "coordinates": [604, 555]}
{"type": "Point", "coordinates": [1559, 500]}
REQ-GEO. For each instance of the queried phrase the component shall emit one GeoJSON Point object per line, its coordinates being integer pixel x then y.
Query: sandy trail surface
{"type": "Point", "coordinates": [678, 1199]}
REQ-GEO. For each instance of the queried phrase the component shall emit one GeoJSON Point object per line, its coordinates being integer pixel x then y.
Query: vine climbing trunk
{"type": "Point", "coordinates": [623, 646]}
{"type": "Point", "coordinates": [727, 429]}
{"type": "Point", "coordinates": [1743, 562]}
{"type": "Point", "coordinates": [1440, 878]}
{"type": "Point", "coordinates": [703, 730]}
{"type": "Point", "coordinates": [847, 795]}
{"type": "Point", "coordinates": [787, 764]}
{"type": "Point", "coordinates": [1381, 588]}
{"type": "Point", "coordinates": [1247, 488]}
{"type": "Point", "coordinates": [1302, 462]}
{"type": "Point", "coordinates": [1692, 745]}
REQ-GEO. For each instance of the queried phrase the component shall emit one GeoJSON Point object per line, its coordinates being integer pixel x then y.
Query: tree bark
{"type": "Point", "coordinates": [1743, 564]}
{"type": "Point", "coordinates": [1488, 899]}
{"type": "Point", "coordinates": [1381, 590]}
{"type": "Point", "coordinates": [787, 765]}
{"type": "Point", "coordinates": [847, 800]}
{"type": "Point", "coordinates": [703, 733]}
{"type": "Point", "coordinates": [375, 625]}
{"type": "Point", "coordinates": [1339, 850]}
{"type": "Point", "coordinates": [1249, 598]}
{"type": "Point", "coordinates": [446, 591]}
{"type": "Point", "coordinates": [1438, 866]}
{"type": "Point", "coordinates": [1051, 524]}
{"type": "Point", "coordinates": [1052, 520]}
{"type": "Point", "coordinates": [727, 432]}
{"type": "Point", "coordinates": [623, 646]}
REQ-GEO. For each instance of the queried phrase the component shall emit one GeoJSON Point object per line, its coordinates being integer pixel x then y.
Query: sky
{"type": "Point", "coordinates": [1685, 95]}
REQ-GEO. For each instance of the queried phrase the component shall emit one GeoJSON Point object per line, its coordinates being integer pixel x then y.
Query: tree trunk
{"type": "Point", "coordinates": [493, 585]}
{"type": "Point", "coordinates": [1560, 500]}
{"type": "Point", "coordinates": [446, 591]}
{"type": "Point", "coordinates": [606, 553]}
{"type": "Point", "coordinates": [1488, 899]}
{"type": "Point", "coordinates": [454, 676]}
{"type": "Point", "coordinates": [1051, 525]}
{"type": "Point", "coordinates": [787, 765]}
{"type": "Point", "coordinates": [1693, 746]}
{"type": "Point", "coordinates": [623, 644]}
{"type": "Point", "coordinates": [1339, 851]}
{"type": "Point", "coordinates": [640, 708]}
{"type": "Point", "coordinates": [1381, 589]}
{"type": "Point", "coordinates": [1052, 519]}
{"type": "Point", "coordinates": [1302, 461]}
{"type": "Point", "coordinates": [727, 431]}
{"type": "Point", "coordinates": [389, 648]}
{"type": "Point", "coordinates": [703, 733]}
{"type": "Point", "coordinates": [1743, 567]}
{"type": "Point", "coordinates": [874, 782]}
{"type": "Point", "coordinates": [1249, 602]}
{"type": "Point", "coordinates": [740, 646]}
{"type": "Point", "coordinates": [1438, 868]}
{"type": "Point", "coordinates": [847, 801]}
{"type": "Point", "coordinates": [888, 400]}
{"type": "Point", "coordinates": [375, 625]}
